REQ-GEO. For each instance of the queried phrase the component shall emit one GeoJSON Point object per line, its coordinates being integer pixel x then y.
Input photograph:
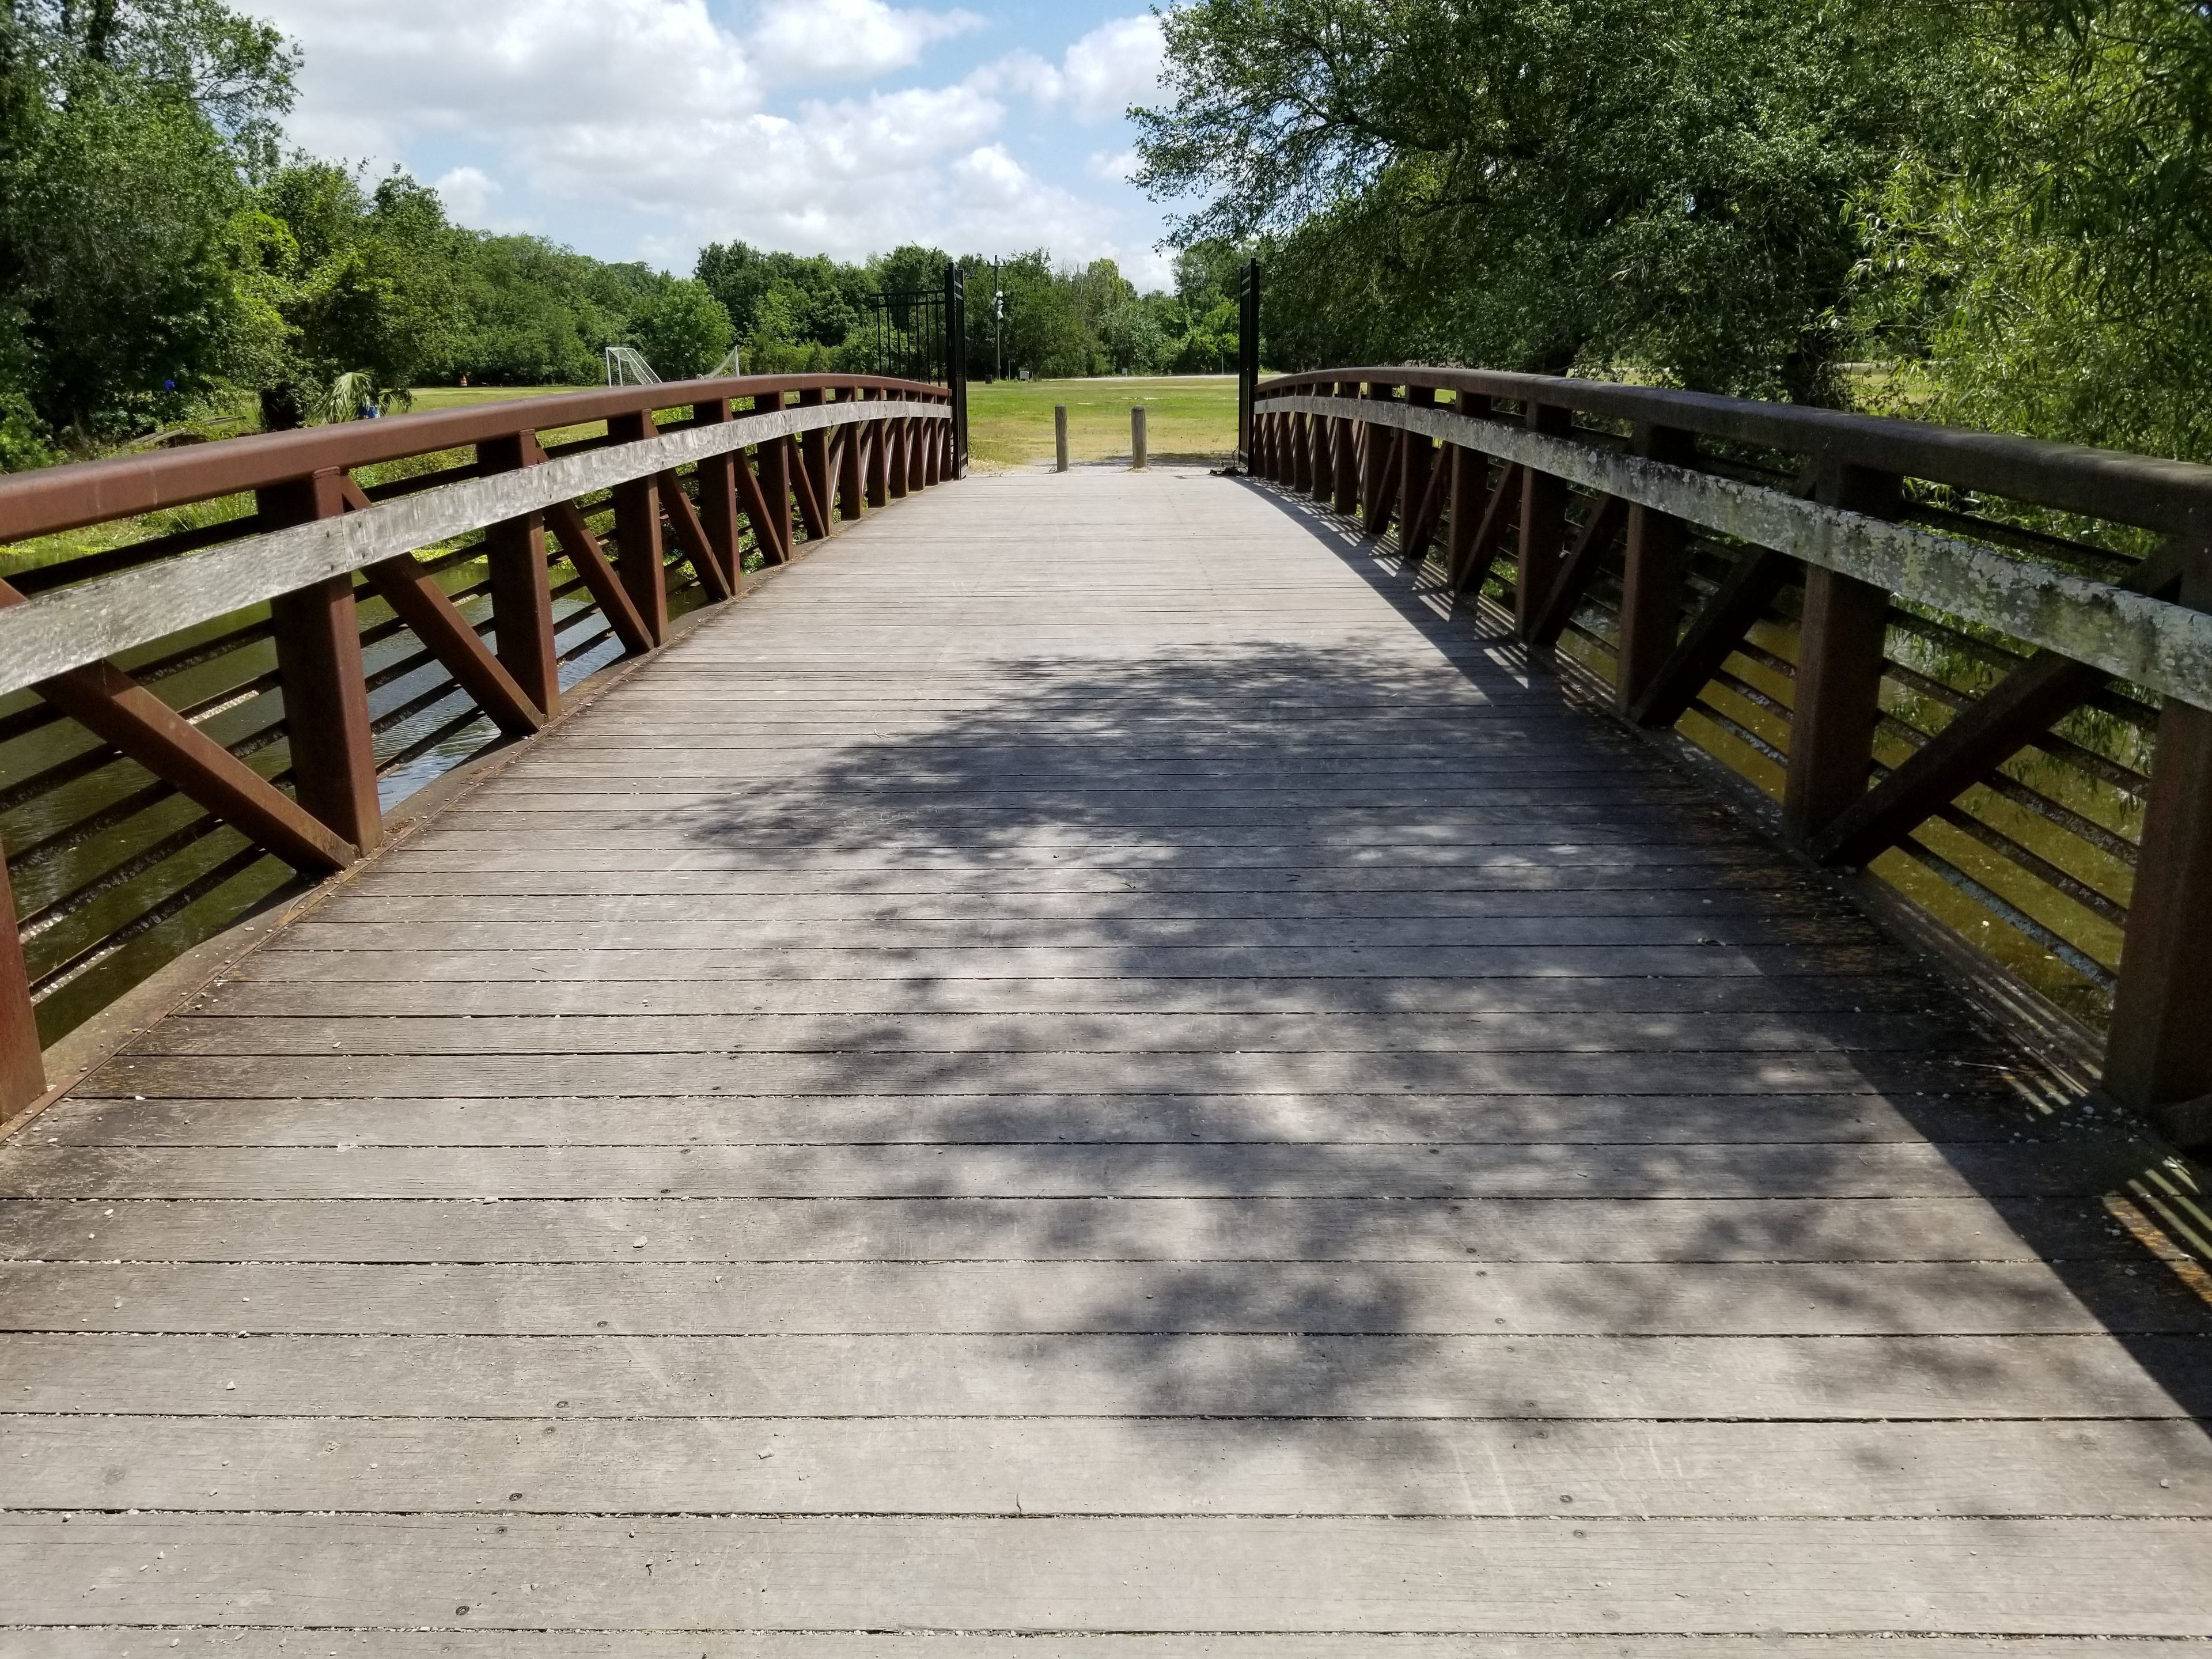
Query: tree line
{"type": "Point", "coordinates": [161, 256]}
{"type": "Point", "coordinates": [1997, 212]}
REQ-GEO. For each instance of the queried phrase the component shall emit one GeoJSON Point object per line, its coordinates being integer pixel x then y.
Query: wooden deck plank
{"type": "Point", "coordinates": [1193, 1105]}
{"type": "Point", "coordinates": [1046, 1297]}
{"type": "Point", "coordinates": [2053, 1379]}
{"type": "Point", "coordinates": [1590, 1230]}
{"type": "Point", "coordinates": [1075, 1466]}
{"type": "Point", "coordinates": [943, 1119]}
{"type": "Point", "coordinates": [1045, 1170]}
{"type": "Point", "coordinates": [1566, 1575]}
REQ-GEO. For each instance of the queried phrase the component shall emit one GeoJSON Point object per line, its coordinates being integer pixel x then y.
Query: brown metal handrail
{"type": "Point", "coordinates": [747, 476]}
{"type": "Point", "coordinates": [1818, 597]}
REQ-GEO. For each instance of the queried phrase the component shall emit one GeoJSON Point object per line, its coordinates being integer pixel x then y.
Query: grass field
{"type": "Point", "coordinates": [1186, 417]}
{"type": "Point", "coordinates": [428, 397]}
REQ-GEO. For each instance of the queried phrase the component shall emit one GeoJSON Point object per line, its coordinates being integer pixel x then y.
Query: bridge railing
{"type": "Point", "coordinates": [1979, 666]}
{"type": "Point", "coordinates": [221, 666]}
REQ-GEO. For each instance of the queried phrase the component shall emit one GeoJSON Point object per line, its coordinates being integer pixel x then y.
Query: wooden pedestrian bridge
{"type": "Point", "coordinates": [1553, 1018]}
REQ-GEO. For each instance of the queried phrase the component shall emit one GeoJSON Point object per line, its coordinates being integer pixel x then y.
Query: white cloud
{"type": "Point", "coordinates": [1114, 167]}
{"type": "Point", "coordinates": [383, 74]}
{"type": "Point", "coordinates": [467, 193]}
{"type": "Point", "coordinates": [850, 39]}
{"type": "Point", "coordinates": [655, 127]}
{"type": "Point", "coordinates": [1113, 66]}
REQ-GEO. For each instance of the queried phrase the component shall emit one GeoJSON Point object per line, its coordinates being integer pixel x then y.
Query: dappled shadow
{"type": "Point", "coordinates": [1500, 1064]}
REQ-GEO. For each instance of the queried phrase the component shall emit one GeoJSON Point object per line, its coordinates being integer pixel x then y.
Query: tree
{"type": "Point", "coordinates": [123, 128]}
{"type": "Point", "coordinates": [2055, 277]}
{"type": "Point", "coordinates": [685, 331]}
{"type": "Point", "coordinates": [344, 281]}
{"type": "Point", "coordinates": [1541, 186]}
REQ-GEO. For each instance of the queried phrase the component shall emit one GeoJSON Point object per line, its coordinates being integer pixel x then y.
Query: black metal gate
{"type": "Point", "coordinates": [922, 334]}
{"type": "Point", "coordinates": [1247, 359]}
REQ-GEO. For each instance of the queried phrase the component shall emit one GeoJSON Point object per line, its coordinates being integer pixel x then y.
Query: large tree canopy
{"type": "Point", "coordinates": [1543, 186]}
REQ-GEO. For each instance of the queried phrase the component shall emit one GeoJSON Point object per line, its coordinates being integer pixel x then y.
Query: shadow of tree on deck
{"type": "Point", "coordinates": [1641, 1055]}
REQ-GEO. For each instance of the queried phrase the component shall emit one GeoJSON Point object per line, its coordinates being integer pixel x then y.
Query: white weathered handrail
{"type": "Point", "coordinates": [2165, 647]}
{"type": "Point", "coordinates": [94, 620]}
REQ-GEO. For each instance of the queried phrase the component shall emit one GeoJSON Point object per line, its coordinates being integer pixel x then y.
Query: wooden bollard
{"type": "Point", "coordinates": [1137, 438]}
{"type": "Point", "coordinates": [1059, 435]}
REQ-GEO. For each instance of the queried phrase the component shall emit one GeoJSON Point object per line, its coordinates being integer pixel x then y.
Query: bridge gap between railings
{"type": "Point", "coordinates": [198, 719]}
{"type": "Point", "coordinates": [1980, 665]}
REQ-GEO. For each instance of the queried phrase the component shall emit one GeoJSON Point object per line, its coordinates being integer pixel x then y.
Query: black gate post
{"type": "Point", "coordinates": [956, 362]}
{"type": "Point", "coordinates": [1248, 361]}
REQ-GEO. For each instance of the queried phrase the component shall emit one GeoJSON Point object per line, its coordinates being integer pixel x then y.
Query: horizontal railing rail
{"type": "Point", "coordinates": [268, 643]}
{"type": "Point", "coordinates": [1979, 666]}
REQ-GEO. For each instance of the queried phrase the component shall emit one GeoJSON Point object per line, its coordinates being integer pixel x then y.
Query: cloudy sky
{"type": "Point", "coordinates": [642, 129]}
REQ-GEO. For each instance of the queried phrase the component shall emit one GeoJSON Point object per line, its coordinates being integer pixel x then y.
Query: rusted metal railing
{"type": "Point", "coordinates": [276, 638]}
{"type": "Point", "coordinates": [1979, 666]}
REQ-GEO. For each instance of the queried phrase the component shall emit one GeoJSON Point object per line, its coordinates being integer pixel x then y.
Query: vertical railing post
{"type": "Point", "coordinates": [1543, 537]}
{"type": "Point", "coordinates": [22, 1058]}
{"type": "Point", "coordinates": [851, 495]}
{"type": "Point", "coordinates": [318, 633]}
{"type": "Point", "coordinates": [1416, 456]}
{"type": "Point", "coordinates": [521, 585]}
{"type": "Point", "coordinates": [1301, 454]}
{"type": "Point", "coordinates": [1652, 583]}
{"type": "Point", "coordinates": [641, 555]}
{"type": "Point", "coordinates": [1321, 452]}
{"type": "Point", "coordinates": [2158, 1058]}
{"type": "Point", "coordinates": [1381, 454]}
{"type": "Point", "coordinates": [1838, 690]}
{"type": "Point", "coordinates": [774, 458]}
{"type": "Point", "coordinates": [1347, 448]}
{"type": "Point", "coordinates": [1469, 497]}
{"type": "Point", "coordinates": [897, 435]}
{"type": "Point", "coordinates": [718, 498]}
{"type": "Point", "coordinates": [814, 461]}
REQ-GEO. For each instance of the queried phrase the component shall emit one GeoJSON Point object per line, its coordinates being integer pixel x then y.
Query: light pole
{"type": "Point", "coordinates": [998, 325]}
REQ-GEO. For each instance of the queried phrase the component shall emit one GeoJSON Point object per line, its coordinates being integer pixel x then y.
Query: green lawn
{"type": "Point", "coordinates": [428, 397]}
{"type": "Point", "coordinates": [1189, 417]}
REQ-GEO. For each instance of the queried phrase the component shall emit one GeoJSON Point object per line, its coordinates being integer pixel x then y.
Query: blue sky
{"type": "Point", "coordinates": [642, 129]}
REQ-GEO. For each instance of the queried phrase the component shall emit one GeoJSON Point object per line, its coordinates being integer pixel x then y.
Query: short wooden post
{"type": "Point", "coordinates": [2158, 1058]}
{"type": "Point", "coordinates": [521, 587]}
{"type": "Point", "coordinates": [1469, 494]}
{"type": "Point", "coordinates": [1543, 525]}
{"type": "Point", "coordinates": [1837, 696]}
{"type": "Point", "coordinates": [1321, 457]}
{"type": "Point", "coordinates": [1652, 582]}
{"type": "Point", "coordinates": [326, 687]}
{"type": "Point", "coordinates": [718, 498]}
{"type": "Point", "coordinates": [22, 1060]}
{"type": "Point", "coordinates": [640, 552]}
{"type": "Point", "coordinates": [1060, 436]}
{"type": "Point", "coordinates": [1137, 438]}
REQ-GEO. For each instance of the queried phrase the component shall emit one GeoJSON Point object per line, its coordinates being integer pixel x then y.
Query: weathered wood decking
{"type": "Point", "coordinates": [1085, 1064]}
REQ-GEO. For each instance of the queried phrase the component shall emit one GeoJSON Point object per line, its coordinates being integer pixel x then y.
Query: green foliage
{"type": "Point", "coordinates": [123, 126]}
{"type": "Point", "coordinates": [1543, 186]}
{"type": "Point", "coordinates": [684, 331]}
{"type": "Point", "coordinates": [2055, 275]}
